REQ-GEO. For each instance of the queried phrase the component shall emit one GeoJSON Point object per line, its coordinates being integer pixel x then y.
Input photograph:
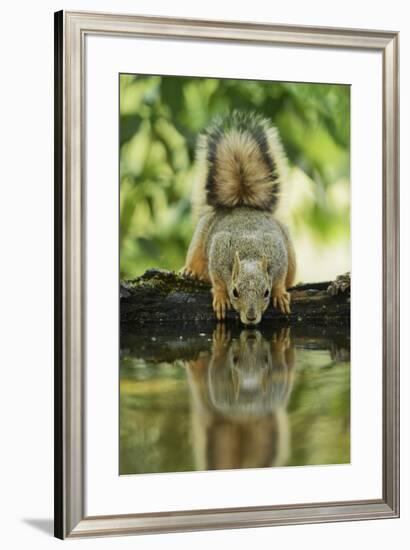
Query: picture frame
{"type": "Point", "coordinates": [71, 30]}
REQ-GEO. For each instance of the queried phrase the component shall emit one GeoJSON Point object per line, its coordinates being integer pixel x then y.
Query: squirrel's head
{"type": "Point", "coordinates": [250, 289]}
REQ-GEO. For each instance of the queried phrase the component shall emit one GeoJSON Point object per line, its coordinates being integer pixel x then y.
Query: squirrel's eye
{"type": "Point", "coordinates": [235, 293]}
{"type": "Point", "coordinates": [266, 293]}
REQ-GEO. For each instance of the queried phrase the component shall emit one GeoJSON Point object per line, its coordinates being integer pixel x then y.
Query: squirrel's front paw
{"type": "Point", "coordinates": [187, 271]}
{"type": "Point", "coordinates": [221, 304]}
{"type": "Point", "coordinates": [281, 300]}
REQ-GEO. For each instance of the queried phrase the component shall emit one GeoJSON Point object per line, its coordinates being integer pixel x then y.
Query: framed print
{"type": "Point", "coordinates": [226, 303]}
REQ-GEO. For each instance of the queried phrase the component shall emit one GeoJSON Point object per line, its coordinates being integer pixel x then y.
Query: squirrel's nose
{"type": "Point", "coordinates": [251, 317]}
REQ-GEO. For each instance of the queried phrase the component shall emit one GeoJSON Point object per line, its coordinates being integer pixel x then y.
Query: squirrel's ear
{"type": "Point", "coordinates": [236, 264]}
{"type": "Point", "coordinates": [264, 263]}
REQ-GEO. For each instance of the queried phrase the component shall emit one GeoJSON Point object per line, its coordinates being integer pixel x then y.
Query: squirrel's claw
{"type": "Point", "coordinates": [186, 272]}
{"type": "Point", "coordinates": [281, 301]}
{"type": "Point", "coordinates": [191, 274]}
{"type": "Point", "coordinates": [220, 305]}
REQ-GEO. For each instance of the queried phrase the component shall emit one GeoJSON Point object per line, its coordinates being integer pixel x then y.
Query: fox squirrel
{"type": "Point", "coordinates": [240, 390]}
{"type": "Point", "coordinates": [238, 246]}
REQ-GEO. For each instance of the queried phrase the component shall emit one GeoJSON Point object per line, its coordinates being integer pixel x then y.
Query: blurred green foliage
{"type": "Point", "coordinates": [160, 118]}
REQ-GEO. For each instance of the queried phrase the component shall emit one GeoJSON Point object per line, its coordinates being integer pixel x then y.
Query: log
{"type": "Point", "coordinates": [163, 296]}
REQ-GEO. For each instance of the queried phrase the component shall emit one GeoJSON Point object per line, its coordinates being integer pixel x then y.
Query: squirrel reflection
{"type": "Point", "coordinates": [240, 391]}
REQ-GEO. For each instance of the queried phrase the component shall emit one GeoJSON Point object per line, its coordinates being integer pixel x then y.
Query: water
{"type": "Point", "coordinates": [205, 397]}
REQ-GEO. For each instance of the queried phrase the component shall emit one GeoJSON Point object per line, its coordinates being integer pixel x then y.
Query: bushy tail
{"type": "Point", "coordinates": [241, 163]}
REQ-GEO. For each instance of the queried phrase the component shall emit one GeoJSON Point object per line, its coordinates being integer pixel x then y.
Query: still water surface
{"type": "Point", "coordinates": [204, 398]}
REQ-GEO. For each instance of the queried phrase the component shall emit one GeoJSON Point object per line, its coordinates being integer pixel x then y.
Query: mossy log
{"type": "Point", "coordinates": [163, 296]}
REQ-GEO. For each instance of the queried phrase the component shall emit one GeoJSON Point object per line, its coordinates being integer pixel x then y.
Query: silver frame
{"type": "Point", "coordinates": [71, 28]}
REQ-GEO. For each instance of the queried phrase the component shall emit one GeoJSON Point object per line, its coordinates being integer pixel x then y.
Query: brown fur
{"type": "Point", "coordinates": [242, 176]}
{"type": "Point", "coordinates": [241, 167]}
{"type": "Point", "coordinates": [226, 438]}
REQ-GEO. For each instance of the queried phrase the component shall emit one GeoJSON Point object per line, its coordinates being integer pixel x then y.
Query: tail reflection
{"type": "Point", "coordinates": [240, 391]}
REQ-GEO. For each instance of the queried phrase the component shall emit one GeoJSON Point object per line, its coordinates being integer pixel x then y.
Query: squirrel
{"type": "Point", "coordinates": [238, 246]}
{"type": "Point", "coordinates": [240, 390]}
